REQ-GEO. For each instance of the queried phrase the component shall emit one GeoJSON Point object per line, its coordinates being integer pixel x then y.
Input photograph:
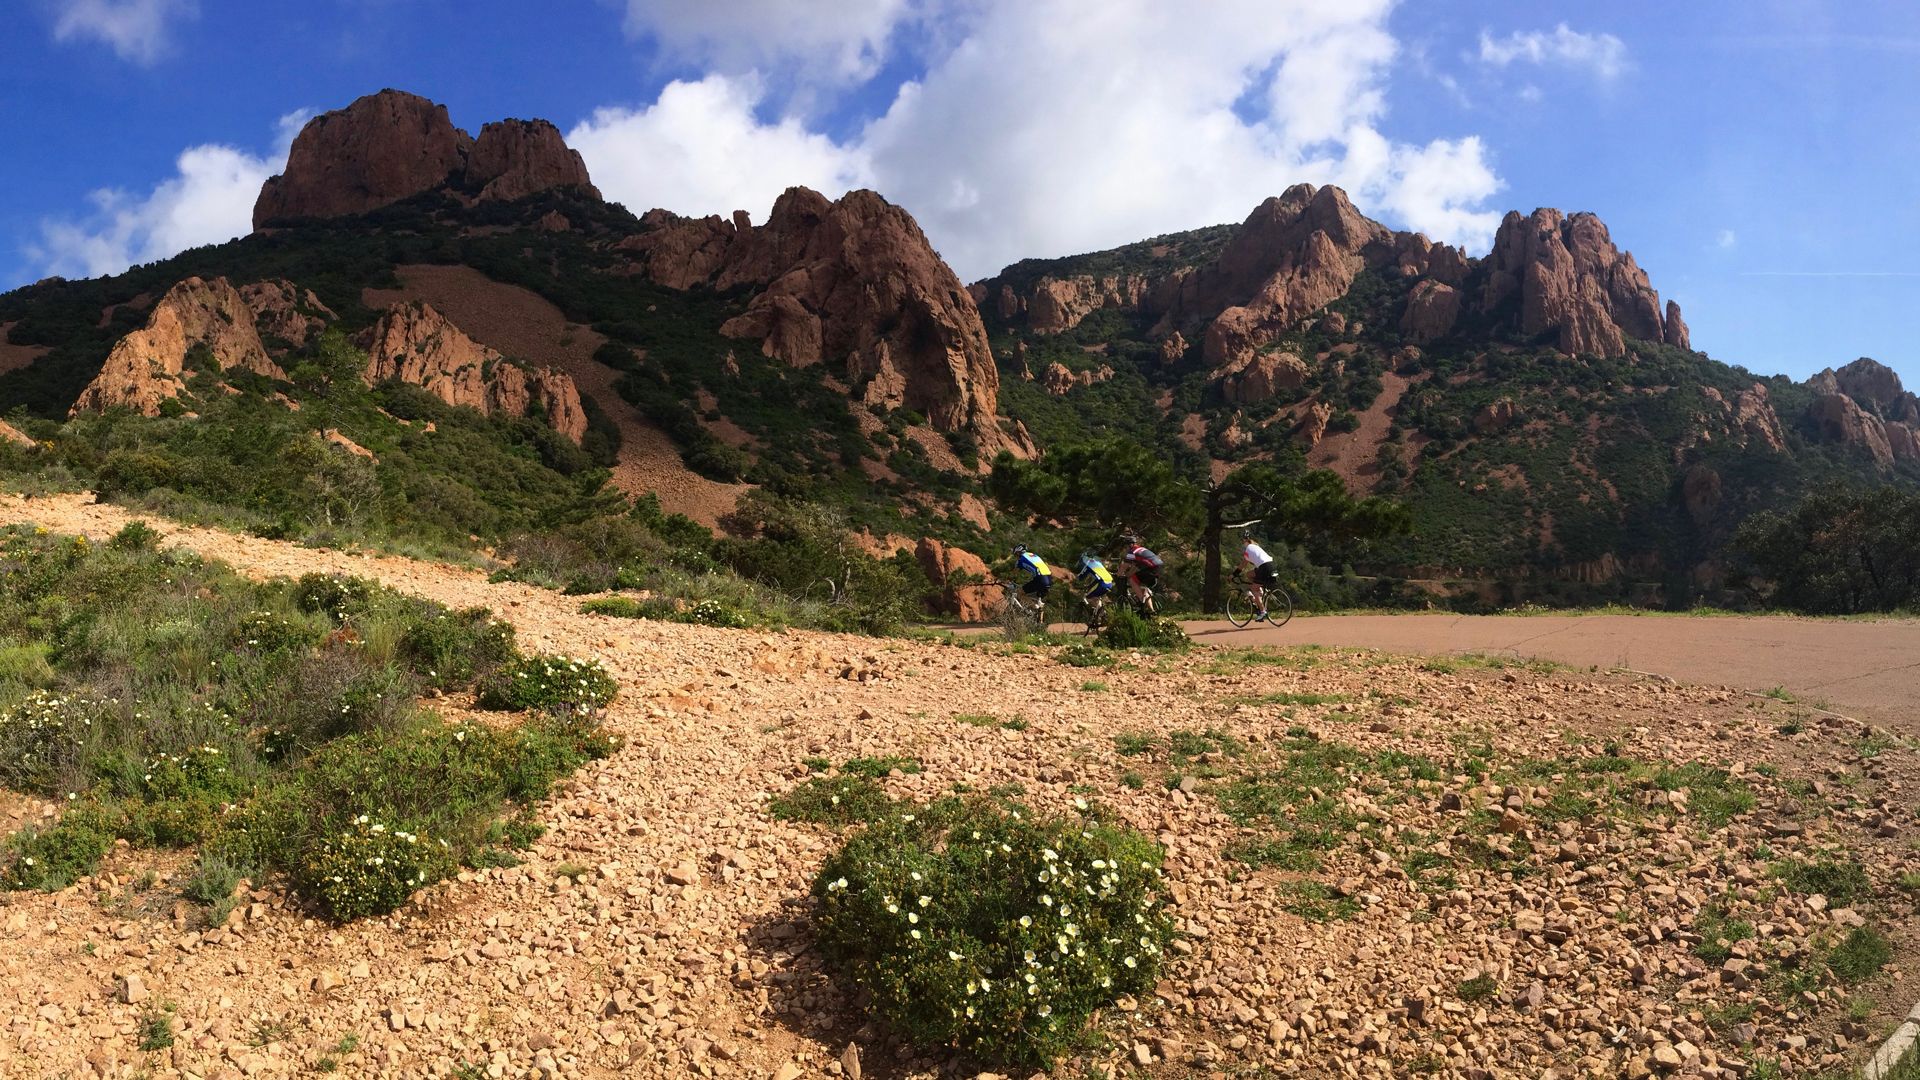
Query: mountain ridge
{"type": "Point", "coordinates": [1540, 408]}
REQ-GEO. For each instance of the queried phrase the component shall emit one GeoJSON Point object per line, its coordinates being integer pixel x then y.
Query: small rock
{"type": "Point", "coordinates": [683, 874]}
{"type": "Point", "coordinates": [133, 990]}
{"type": "Point", "coordinates": [1142, 1054]}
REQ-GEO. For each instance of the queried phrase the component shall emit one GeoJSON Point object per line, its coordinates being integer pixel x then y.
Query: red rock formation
{"type": "Point", "coordinates": [1313, 426]}
{"type": "Point", "coordinates": [952, 568]}
{"type": "Point", "coordinates": [1873, 386]}
{"type": "Point", "coordinates": [1903, 440]}
{"type": "Point", "coordinates": [11, 434]}
{"type": "Point", "coordinates": [1571, 280]}
{"type": "Point", "coordinates": [1173, 348]}
{"type": "Point", "coordinates": [888, 307]}
{"type": "Point", "coordinates": [1292, 256]}
{"type": "Point", "coordinates": [1495, 416]}
{"type": "Point", "coordinates": [1058, 379]}
{"type": "Point", "coordinates": [1058, 304]}
{"type": "Point", "coordinates": [382, 148]}
{"type": "Point", "coordinates": [1432, 308]}
{"type": "Point", "coordinates": [513, 159]}
{"type": "Point", "coordinates": [413, 343]}
{"type": "Point", "coordinates": [1838, 418]}
{"type": "Point", "coordinates": [1700, 491]}
{"type": "Point", "coordinates": [332, 435]}
{"type": "Point", "coordinates": [1260, 377]}
{"type": "Point", "coordinates": [286, 311]}
{"type": "Point", "coordinates": [147, 367]}
{"type": "Point", "coordinates": [393, 145]}
{"type": "Point", "coordinates": [1753, 414]}
{"type": "Point", "coordinates": [1676, 327]}
{"type": "Point", "coordinates": [784, 327]}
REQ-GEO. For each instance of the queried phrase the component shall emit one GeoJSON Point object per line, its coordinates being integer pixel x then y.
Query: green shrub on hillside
{"type": "Point", "coordinates": [980, 925]}
{"type": "Point", "coordinates": [1127, 629]}
{"type": "Point", "coordinates": [552, 683]}
{"type": "Point", "coordinates": [187, 705]}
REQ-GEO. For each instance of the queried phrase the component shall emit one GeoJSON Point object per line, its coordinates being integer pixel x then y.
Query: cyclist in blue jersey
{"type": "Point", "coordinates": [1040, 575]}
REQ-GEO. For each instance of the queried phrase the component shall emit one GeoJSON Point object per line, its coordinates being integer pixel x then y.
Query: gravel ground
{"type": "Point", "coordinates": [1459, 925]}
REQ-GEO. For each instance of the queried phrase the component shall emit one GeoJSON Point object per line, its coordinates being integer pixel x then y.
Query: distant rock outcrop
{"type": "Point", "coordinates": [1058, 304]}
{"type": "Point", "coordinates": [1293, 255]}
{"type": "Point", "coordinates": [286, 311]}
{"type": "Point", "coordinates": [513, 159]}
{"type": "Point", "coordinates": [1872, 385]}
{"type": "Point", "coordinates": [1571, 281]}
{"type": "Point", "coordinates": [1838, 418]}
{"type": "Point", "coordinates": [1058, 379]}
{"type": "Point", "coordinates": [1259, 377]}
{"type": "Point", "coordinates": [11, 434]}
{"type": "Point", "coordinates": [1676, 328]}
{"type": "Point", "coordinates": [885, 304]}
{"type": "Point", "coordinates": [1432, 308]}
{"type": "Point", "coordinates": [148, 366]}
{"type": "Point", "coordinates": [952, 569]}
{"type": "Point", "coordinates": [393, 145]}
{"type": "Point", "coordinates": [1753, 414]}
{"type": "Point", "coordinates": [414, 343]}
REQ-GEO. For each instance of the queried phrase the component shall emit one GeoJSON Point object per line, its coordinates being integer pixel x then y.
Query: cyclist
{"type": "Point", "coordinates": [1142, 565]}
{"type": "Point", "coordinates": [1090, 568]}
{"type": "Point", "coordinates": [1265, 573]}
{"type": "Point", "coordinates": [1040, 575]}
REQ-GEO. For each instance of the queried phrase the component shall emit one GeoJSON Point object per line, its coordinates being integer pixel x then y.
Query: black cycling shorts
{"type": "Point", "coordinates": [1146, 577]}
{"type": "Point", "coordinates": [1266, 575]}
{"type": "Point", "coordinates": [1038, 586]}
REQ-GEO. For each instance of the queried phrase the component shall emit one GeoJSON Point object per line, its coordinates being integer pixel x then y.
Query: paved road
{"type": "Point", "coordinates": [1869, 670]}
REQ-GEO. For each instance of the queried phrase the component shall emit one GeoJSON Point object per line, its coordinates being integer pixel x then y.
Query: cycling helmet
{"type": "Point", "coordinates": [1019, 550]}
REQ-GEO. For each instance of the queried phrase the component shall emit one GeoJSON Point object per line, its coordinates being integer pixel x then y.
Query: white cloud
{"type": "Point", "coordinates": [831, 39]}
{"type": "Point", "coordinates": [1727, 239]}
{"type": "Point", "coordinates": [209, 200]}
{"type": "Point", "coordinates": [699, 149]}
{"type": "Point", "coordinates": [135, 29]}
{"type": "Point", "coordinates": [1049, 127]}
{"type": "Point", "coordinates": [1604, 55]}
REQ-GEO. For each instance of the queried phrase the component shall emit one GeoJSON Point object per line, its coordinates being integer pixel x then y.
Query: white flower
{"type": "Point", "coordinates": [912, 917]}
{"type": "Point", "coordinates": [1130, 962]}
{"type": "Point", "coordinates": [925, 900]}
{"type": "Point", "coordinates": [1026, 921]}
{"type": "Point", "coordinates": [915, 933]}
{"type": "Point", "coordinates": [951, 955]}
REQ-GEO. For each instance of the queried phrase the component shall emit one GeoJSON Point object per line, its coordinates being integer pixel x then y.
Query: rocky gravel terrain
{"type": "Point", "coordinates": [1380, 866]}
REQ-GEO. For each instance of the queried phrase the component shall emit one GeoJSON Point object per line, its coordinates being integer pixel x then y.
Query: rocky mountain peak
{"type": "Point", "coordinates": [853, 280]}
{"type": "Point", "coordinates": [515, 158]}
{"type": "Point", "coordinates": [1873, 386]}
{"type": "Point", "coordinates": [414, 343]}
{"type": "Point", "coordinates": [148, 366]}
{"type": "Point", "coordinates": [393, 145]}
{"type": "Point", "coordinates": [1572, 281]}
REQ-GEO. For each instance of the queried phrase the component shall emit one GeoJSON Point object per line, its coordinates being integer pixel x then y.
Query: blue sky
{"type": "Point", "coordinates": [1758, 158]}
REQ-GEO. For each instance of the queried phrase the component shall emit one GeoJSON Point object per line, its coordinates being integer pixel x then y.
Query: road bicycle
{"type": "Point", "coordinates": [1244, 607]}
{"type": "Point", "coordinates": [1021, 614]}
{"type": "Point", "coordinates": [1093, 612]}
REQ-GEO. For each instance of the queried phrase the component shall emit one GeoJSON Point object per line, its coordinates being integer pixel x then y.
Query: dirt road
{"type": "Point", "coordinates": [1869, 670]}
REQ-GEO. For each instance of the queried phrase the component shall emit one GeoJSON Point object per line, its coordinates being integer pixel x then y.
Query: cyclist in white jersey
{"type": "Point", "coordinates": [1264, 572]}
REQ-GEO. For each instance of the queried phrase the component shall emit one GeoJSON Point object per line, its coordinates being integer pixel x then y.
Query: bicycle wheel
{"type": "Point", "coordinates": [1279, 606]}
{"type": "Point", "coordinates": [1094, 614]}
{"type": "Point", "coordinates": [1240, 608]}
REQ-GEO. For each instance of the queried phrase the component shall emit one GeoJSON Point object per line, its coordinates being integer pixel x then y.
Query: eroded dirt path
{"type": "Point", "coordinates": [682, 949]}
{"type": "Point", "coordinates": [1868, 669]}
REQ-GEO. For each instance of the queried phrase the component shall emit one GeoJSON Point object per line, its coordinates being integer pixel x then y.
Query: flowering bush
{"type": "Point", "coordinates": [547, 682]}
{"type": "Point", "coordinates": [335, 595]}
{"type": "Point", "coordinates": [713, 613]}
{"type": "Point", "coordinates": [978, 925]}
{"type": "Point", "coordinates": [369, 869]}
{"type": "Point", "coordinates": [51, 859]}
{"type": "Point", "coordinates": [44, 739]}
{"type": "Point", "coordinates": [271, 633]}
{"type": "Point", "coordinates": [453, 648]}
